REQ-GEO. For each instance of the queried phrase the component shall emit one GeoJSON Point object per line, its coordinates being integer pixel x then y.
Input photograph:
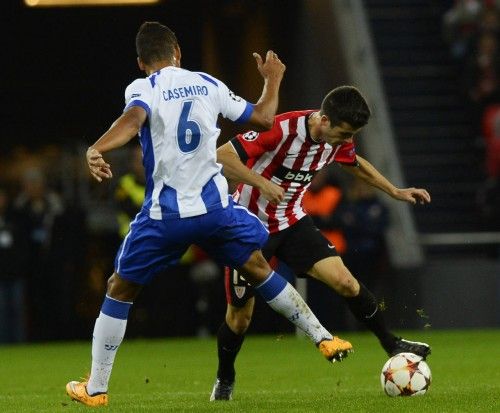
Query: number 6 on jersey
{"type": "Point", "coordinates": [188, 130]}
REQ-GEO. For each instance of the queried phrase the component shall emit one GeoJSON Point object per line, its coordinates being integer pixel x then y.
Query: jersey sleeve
{"type": "Point", "coordinates": [139, 93]}
{"type": "Point", "coordinates": [232, 106]}
{"type": "Point", "coordinates": [346, 154]}
{"type": "Point", "coordinates": [254, 144]}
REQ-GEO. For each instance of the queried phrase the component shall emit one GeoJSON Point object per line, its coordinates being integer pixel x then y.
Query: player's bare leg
{"type": "Point", "coordinates": [230, 336]}
{"type": "Point", "coordinates": [281, 296]}
{"type": "Point", "coordinates": [363, 305]}
{"type": "Point", "coordinates": [284, 299]}
{"type": "Point", "coordinates": [239, 318]}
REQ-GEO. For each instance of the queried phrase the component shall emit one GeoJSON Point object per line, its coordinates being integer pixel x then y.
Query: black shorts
{"type": "Point", "coordinates": [300, 247]}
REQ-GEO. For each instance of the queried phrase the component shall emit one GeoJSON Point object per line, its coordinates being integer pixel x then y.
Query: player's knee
{"type": "Point", "coordinates": [239, 325]}
{"type": "Point", "coordinates": [349, 287]}
{"type": "Point", "coordinates": [110, 283]}
{"type": "Point", "coordinates": [256, 269]}
{"type": "Point", "coordinates": [239, 322]}
{"type": "Point", "coordinates": [122, 290]}
{"type": "Point", "coordinates": [346, 284]}
{"type": "Point", "coordinates": [338, 277]}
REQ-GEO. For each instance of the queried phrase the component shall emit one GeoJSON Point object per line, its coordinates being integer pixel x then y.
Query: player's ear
{"type": "Point", "coordinates": [177, 56]}
{"type": "Point", "coordinates": [325, 121]}
{"type": "Point", "coordinates": [141, 64]}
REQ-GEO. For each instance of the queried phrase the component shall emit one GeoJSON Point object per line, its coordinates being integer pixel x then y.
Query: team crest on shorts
{"type": "Point", "coordinates": [239, 290]}
{"type": "Point", "coordinates": [250, 136]}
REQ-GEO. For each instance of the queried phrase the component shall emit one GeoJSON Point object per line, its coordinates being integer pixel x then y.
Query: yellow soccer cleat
{"type": "Point", "coordinates": [335, 349]}
{"type": "Point", "coordinates": [77, 390]}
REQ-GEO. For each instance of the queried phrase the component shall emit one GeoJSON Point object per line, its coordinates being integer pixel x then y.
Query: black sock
{"type": "Point", "coordinates": [365, 308]}
{"type": "Point", "coordinates": [228, 346]}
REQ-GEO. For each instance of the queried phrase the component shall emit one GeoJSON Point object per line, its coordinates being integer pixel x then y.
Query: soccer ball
{"type": "Point", "coordinates": [405, 374]}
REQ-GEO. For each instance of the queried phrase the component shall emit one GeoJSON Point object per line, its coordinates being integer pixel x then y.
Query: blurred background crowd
{"type": "Point", "coordinates": [471, 29]}
{"type": "Point", "coordinates": [59, 231]}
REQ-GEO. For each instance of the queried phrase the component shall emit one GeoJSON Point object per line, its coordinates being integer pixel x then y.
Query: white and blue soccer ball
{"type": "Point", "coordinates": [405, 374]}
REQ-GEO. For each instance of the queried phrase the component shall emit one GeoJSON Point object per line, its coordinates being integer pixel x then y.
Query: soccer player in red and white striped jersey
{"type": "Point", "coordinates": [274, 169]}
{"type": "Point", "coordinates": [288, 156]}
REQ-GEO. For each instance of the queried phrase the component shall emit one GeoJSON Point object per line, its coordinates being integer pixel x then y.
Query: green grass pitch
{"type": "Point", "coordinates": [275, 374]}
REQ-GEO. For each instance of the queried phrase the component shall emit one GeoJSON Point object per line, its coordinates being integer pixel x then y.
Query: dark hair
{"type": "Point", "coordinates": [346, 104]}
{"type": "Point", "coordinates": [155, 42]}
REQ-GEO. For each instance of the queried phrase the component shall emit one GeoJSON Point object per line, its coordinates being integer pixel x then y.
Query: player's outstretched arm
{"type": "Point", "coordinates": [272, 70]}
{"type": "Point", "coordinates": [367, 172]}
{"type": "Point", "coordinates": [235, 170]}
{"type": "Point", "coordinates": [121, 131]}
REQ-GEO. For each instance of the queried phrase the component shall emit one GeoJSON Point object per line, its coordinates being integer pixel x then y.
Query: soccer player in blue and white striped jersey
{"type": "Point", "coordinates": [174, 111]}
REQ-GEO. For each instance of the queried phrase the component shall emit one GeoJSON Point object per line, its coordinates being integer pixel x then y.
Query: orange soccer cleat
{"type": "Point", "coordinates": [335, 349]}
{"type": "Point", "coordinates": [78, 392]}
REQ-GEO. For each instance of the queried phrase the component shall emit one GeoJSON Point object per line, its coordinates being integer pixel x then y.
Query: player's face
{"type": "Point", "coordinates": [339, 134]}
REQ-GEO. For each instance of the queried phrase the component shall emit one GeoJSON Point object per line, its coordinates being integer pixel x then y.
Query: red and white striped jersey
{"type": "Point", "coordinates": [287, 156]}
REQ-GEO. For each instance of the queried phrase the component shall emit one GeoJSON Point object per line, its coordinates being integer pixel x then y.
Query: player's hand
{"type": "Point", "coordinates": [272, 192]}
{"type": "Point", "coordinates": [413, 195]}
{"type": "Point", "coordinates": [272, 67]}
{"type": "Point", "coordinates": [98, 167]}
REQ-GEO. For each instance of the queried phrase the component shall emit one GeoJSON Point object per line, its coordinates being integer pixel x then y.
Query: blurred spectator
{"type": "Point", "coordinates": [129, 193]}
{"type": "Point", "coordinates": [39, 207]}
{"type": "Point", "coordinates": [491, 133]}
{"type": "Point", "coordinates": [473, 29]}
{"type": "Point", "coordinates": [489, 19]}
{"type": "Point", "coordinates": [482, 73]}
{"type": "Point", "coordinates": [489, 193]}
{"type": "Point", "coordinates": [321, 201]}
{"type": "Point", "coordinates": [13, 246]}
{"type": "Point", "coordinates": [459, 26]}
{"type": "Point", "coordinates": [364, 222]}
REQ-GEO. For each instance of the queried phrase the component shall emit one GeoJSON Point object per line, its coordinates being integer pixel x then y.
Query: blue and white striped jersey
{"type": "Point", "coordinates": [179, 140]}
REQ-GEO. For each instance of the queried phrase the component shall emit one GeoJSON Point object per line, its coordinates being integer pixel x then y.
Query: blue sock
{"type": "Point", "coordinates": [271, 286]}
{"type": "Point", "coordinates": [115, 308]}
